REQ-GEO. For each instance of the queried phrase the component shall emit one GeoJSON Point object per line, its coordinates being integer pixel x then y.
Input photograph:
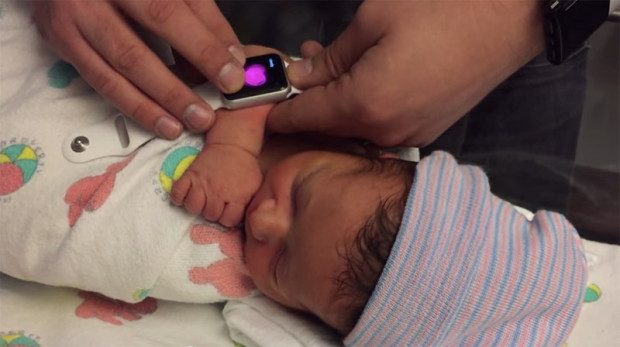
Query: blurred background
{"type": "Point", "coordinates": [594, 205]}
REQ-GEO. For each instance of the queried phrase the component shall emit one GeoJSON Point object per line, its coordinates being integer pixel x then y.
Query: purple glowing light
{"type": "Point", "coordinates": [255, 75]}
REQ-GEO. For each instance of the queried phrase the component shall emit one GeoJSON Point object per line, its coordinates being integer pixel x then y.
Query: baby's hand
{"type": "Point", "coordinates": [218, 184]}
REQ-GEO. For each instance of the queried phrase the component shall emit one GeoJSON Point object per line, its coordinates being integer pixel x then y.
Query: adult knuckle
{"type": "Point", "coordinates": [161, 10]}
{"type": "Point", "coordinates": [139, 111]}
{"type": "Point", "coordinates": [173, 95]}
{"type": "Point", "coordinates": [128, 56]}
{"type": "Point", "coordinates": [193, 4]}
{"type": "Point", "coordinates": [104, 83]}
{"type": "Point", "coordinates": [333, 64]}
{"type": "Point", "coordinates": [206, 54]}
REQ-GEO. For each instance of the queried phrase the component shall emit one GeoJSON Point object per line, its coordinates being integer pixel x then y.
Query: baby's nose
{"type": "Point", "coordinates": [266, 224]}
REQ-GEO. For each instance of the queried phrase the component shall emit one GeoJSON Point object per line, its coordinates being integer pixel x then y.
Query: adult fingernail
{"type": "Point", "coordinates": [232, 77]}
{"type": "Point", "coordinates": [168, 128]}
{"type": "Point", "coordinates": [197, 117]}
{"type": "Point", "coordinates": [238, 53]}
{"type": "Point", "coordinates": [300, 68]}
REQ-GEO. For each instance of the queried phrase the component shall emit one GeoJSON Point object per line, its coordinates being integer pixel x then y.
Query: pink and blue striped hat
{"type": "Point", "coordinates": [468, 269]}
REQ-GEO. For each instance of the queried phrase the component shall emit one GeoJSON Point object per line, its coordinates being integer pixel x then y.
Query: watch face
{"type": "Point", "coordinates": [264, 74]}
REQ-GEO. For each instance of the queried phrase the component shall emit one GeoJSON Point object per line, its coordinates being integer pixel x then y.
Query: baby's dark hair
{"type": "Point", "coordinates": [366, 256]}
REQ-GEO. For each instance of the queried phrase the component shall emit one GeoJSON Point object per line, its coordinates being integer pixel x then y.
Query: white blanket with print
{"type": "Point", "coordinates": [104, 225]}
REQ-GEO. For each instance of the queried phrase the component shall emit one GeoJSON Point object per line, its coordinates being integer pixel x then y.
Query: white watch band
{"type": "Point", "coordinates": [213, 97]}
{"type": "Point", "coordinates": [210, 95]}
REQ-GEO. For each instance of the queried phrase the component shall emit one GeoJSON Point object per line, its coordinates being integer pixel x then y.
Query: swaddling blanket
{"type": "Point", "coordinates": [105, 225]}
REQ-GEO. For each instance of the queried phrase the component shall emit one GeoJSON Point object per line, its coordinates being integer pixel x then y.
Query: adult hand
{"type": "Point", "coordinates": [96, 37]}
{"type": "Point", "coordinates": [404, 71]}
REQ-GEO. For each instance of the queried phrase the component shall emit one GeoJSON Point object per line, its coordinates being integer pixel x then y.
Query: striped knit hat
{"type": "Point", "coordinates": [468, 269]}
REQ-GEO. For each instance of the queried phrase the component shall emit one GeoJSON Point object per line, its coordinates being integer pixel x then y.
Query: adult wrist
{"type": "Point", "coordinates": [522, 31]}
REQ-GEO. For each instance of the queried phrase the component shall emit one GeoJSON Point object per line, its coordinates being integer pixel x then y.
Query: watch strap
{"type": "Point", "coordinates": [210, 95]}
{"type": "Point", "coordinates": [569, 23]}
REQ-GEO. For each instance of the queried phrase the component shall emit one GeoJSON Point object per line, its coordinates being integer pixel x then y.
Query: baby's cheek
{"type": "Point", "coordinates": [257, 259]}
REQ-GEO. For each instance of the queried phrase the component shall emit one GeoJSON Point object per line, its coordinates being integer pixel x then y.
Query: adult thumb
{"type": "Point", "coordinates": [333, 61]}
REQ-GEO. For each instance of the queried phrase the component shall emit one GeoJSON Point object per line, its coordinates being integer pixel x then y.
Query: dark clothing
{"type": "Point", "coordinates": [524, 133]}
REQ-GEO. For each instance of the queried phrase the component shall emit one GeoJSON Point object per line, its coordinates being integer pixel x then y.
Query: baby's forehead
{"type": "Point", "coordinates": [352, 166]}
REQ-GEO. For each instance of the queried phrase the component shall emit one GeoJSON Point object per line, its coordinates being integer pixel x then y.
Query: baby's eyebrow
{"type": "Point", "coordinates": [311, 176]}
{"type": "Point", "coordinates": [300, 192]}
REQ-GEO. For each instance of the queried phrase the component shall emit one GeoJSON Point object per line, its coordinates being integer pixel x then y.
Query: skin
{"type": "Point", "coordinates": [222, 179]}
{"type": "Point", "coordinates": [97, 38]}
{"type": "Point", "coordinates": [225, 175]}
{"type": "Point", "coordinates": [229, 171]}
{"type": "Point", "coordinates": [292, 257]}
{"type": "Point", "coordinates": [440, 58]}
{"type": "Point", "coordinates": [404, 71]}
{"type": "Point", "coordinates": [307, 212]}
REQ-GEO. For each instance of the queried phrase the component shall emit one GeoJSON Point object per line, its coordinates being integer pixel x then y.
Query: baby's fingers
{"type": "Point", "coordinates": [233, 214]}
{"type": "Point", "coordinates": [179, 190]}
{"type": "Point", "coordinates": [214, 208]}
{"type": "Point", "coordinates": [195, 201]}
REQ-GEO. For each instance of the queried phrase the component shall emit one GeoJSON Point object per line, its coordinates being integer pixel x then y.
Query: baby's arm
{"type": "Point", "coordinates": [225, 174]}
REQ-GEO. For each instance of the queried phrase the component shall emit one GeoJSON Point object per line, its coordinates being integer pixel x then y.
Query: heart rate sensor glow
{"type": "Point", "coordinates": [265, 82]}
{"type": "Point", "coordinates": [255, 75]}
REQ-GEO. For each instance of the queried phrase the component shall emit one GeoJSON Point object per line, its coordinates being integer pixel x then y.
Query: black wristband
{"type": "Point", "coordinates": [569, 23]}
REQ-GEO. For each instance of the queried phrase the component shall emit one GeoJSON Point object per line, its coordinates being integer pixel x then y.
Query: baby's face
{"type": "Point", "coordinates": [299, 224]}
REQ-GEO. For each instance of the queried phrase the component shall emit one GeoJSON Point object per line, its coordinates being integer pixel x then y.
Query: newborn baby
{"type": "Point", "coordinates": [384, 251]}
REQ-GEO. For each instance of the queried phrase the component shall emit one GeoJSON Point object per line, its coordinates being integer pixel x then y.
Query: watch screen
{"type": "Point", "coordinates": [263, 74]}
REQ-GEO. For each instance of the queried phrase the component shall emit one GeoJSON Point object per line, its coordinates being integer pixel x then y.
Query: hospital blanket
{"type": "Point", "coordinates": [104, 225]}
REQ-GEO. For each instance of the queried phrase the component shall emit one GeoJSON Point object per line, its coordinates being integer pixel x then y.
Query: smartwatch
{"type": "Point", "coordinates": [265, 82]}
{"type": "Point", "coordinates": [568, 24]}
{"type": "Point", "coordinates": [118, 135]}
